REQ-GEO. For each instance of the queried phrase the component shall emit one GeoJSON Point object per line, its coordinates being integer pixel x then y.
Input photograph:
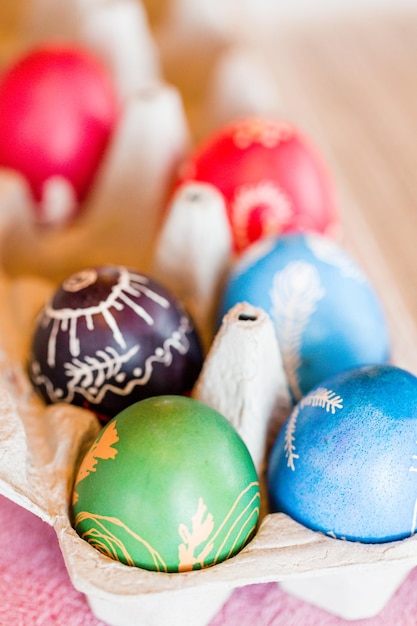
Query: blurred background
{"type": "Point", "coordinates": [344, 71]}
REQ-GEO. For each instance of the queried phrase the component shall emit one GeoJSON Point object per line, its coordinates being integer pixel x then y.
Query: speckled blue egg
{"type": "Point", "coordinates": [327, 316]}
{"type": "Point", "coordinates": [345, 461]}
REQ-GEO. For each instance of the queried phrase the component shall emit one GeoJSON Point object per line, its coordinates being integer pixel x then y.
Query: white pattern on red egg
{"type": "Point", "coordinates": [272, 179]}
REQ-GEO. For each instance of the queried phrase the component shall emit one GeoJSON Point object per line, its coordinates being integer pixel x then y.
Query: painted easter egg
{"type": "Point", "coordinates": [345, 460]}
{"type": "Point", "coordinates": [109, 337]}
{"type": "Point", "coordinates": [58, 108]}
{"type": "Point", "coordinates": [169, 486]}
{"type": "Point", "coordinates": [326, 314]}
{"type": "Point", "coordinates": [271, 176]}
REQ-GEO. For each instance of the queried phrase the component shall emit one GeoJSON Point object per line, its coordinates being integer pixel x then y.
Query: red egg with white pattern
{"type": "Point", "coordinates": [272, 178]}
{"type": "Point", "coordinates": [58, 109]}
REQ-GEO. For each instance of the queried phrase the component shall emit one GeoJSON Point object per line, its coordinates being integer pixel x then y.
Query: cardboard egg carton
{"type": "Point", "coordinates": [190, 252]}
{"type": "Point", "coordinates": [242, 377]}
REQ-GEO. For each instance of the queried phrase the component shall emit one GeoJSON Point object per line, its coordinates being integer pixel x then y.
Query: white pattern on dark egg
{"type": "Point", "coordinates": [102, 335]}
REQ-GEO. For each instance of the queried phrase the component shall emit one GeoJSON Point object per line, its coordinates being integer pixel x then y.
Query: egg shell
{"type": "Point", "coordinates": [58, 108]}
{"type": "Point", "coordinates": [110, 336]}
{"type": "Point", "coordinates": [272, 178]}
{"type": "Point", "coordinates": [326, 314]}
{"type": "Point", "coordinates": [168, 485]}
{"type": "Point", "coordinates": [345, 461]}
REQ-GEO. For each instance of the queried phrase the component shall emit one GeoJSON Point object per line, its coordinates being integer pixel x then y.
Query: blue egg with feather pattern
{"type": "Point", "coordinates": [327, 315]}
{"type": "Point", "coordinates": [345, 461]}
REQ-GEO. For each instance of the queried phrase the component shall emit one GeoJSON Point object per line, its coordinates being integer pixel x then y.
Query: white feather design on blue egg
{"type": "Point", "coordinates": [295, 292]}
{"type": "Point", "coordinates": [320, 397]}
{"type": "Point", "coordinates": [329, 252]}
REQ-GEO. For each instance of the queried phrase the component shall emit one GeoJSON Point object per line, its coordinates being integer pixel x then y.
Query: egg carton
{"type": "Point", "coordinates": [243, 378]}
{"type": "Point", "coordinates": [242, 375]}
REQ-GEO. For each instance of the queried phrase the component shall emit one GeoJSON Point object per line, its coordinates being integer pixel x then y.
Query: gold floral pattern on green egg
{"type": "Point", "coordinates": [169, 486]}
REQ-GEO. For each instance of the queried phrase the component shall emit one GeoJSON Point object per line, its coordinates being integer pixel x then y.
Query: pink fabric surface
{"type": "Point", "coordinates": [35, 589]}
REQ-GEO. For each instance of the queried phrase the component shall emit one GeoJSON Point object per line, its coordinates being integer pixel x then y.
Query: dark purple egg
{"type": "Point", "coordinates": [111, 336]}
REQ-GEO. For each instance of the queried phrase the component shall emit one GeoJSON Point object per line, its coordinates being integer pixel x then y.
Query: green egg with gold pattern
{"type": "Point", "coordinates": [169, 486]}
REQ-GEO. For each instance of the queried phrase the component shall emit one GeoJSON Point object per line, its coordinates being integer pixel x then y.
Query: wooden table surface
{"type": "Point", "coordinates": [352, 84]}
